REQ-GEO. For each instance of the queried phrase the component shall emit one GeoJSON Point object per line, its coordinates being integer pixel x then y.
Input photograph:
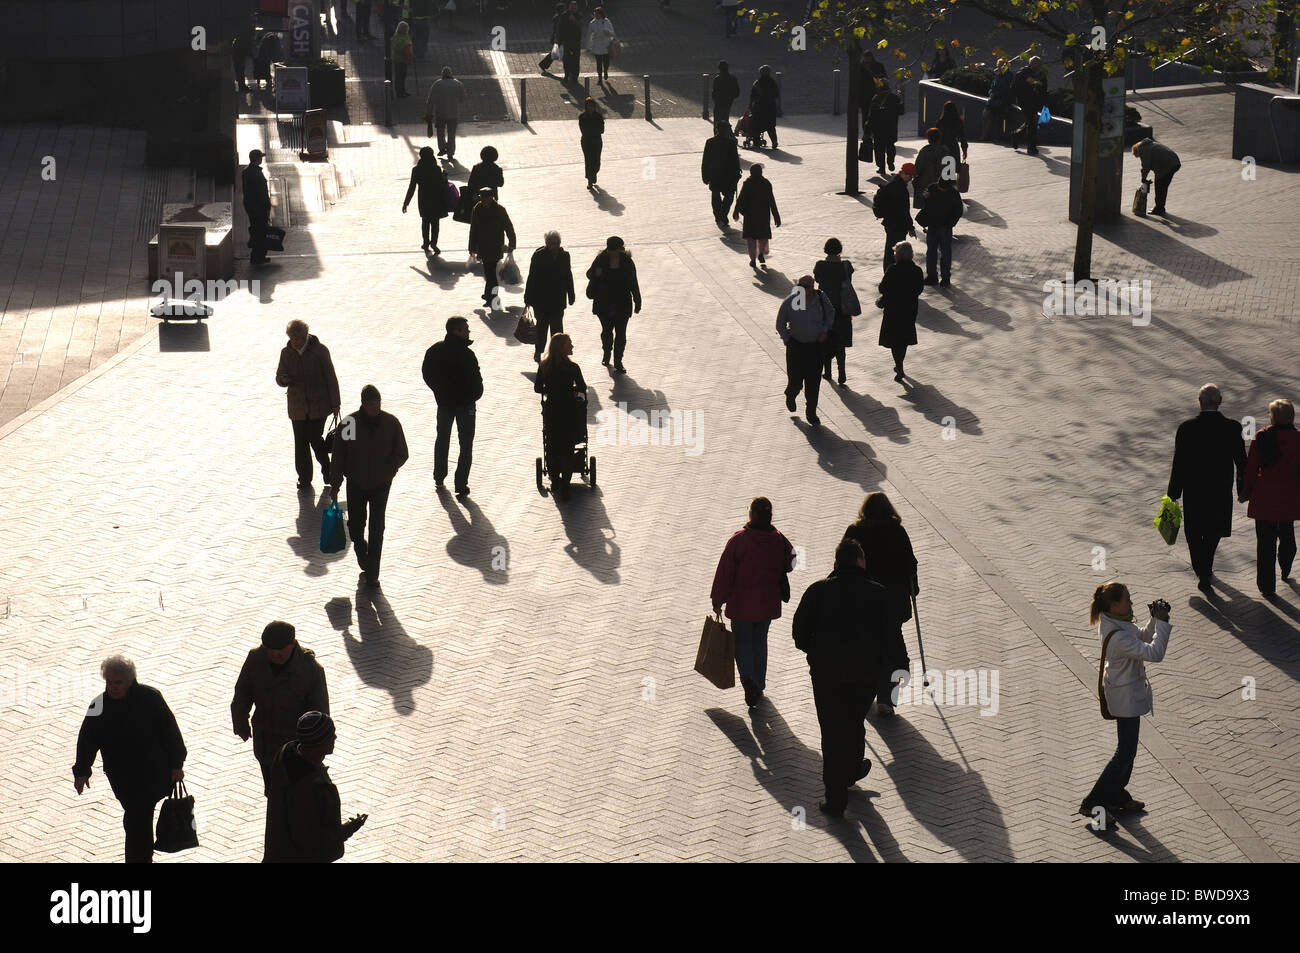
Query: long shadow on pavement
{"type": "Point", "coordinates": [929, 784]}
{"type": "Point", "coordinates": [306, 545]}
{"type": "Point", "coordinates": [1148, 848]}
{"type": "Point", "coordinates": [477, 543]}
{"type": "Point", "coordinates": [624, 389]}
{"type": "Point", "coordinates": [444, 275]}
{"type": "Point", "coordinates": [382, 654]}
{"type": "Point", "coordinates": [772, 281]}
{"type": "Point", "coordinates": [1253, 622]}
{"type": "Point", "coordinates": [585, 521]}
{"type": "Point", "coordinates": [850, 460]}
{"type": "Point", "coordinates": [1150, 243]}
{"type": "Point", "coordinates": [606, 202]}
{"type": "Point", "coordinates": [932, 319]}
{"type": "Point", "coordinates": [939, 409]}
{"type": "Point", "coordinates": [874, 416]}
{"type": "Point", "coordinates": [790, 772]}
{"type": "Point", "coordinates": [976, 310]}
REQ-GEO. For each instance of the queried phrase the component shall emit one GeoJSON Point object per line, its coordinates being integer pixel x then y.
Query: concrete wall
{"type": "Point", "coordinates": [104, 29]}
{"type": "Point", "coordinates": [1262, 127]}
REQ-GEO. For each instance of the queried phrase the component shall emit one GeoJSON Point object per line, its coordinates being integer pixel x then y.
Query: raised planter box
{"type": "Point", "coordinates": [1059, 133]}
{"type": "Point", "coordinates": [1263, 128]}
{"type": "Point", "coordinates": [326, 87]}
{"type": "Point", "coordinates": [1138, 74]}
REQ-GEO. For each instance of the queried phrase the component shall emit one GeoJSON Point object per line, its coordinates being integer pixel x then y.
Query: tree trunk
{"type": "Point", "coordinates": [851, 130]}
{"type": "Point", "coordinates": [1087, 89]}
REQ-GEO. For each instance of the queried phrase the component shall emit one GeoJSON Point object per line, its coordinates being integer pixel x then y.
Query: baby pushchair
{"type": "Point", "coordinates": [564, 444]}
{"type": "Point", "coordinates": [745, 132]}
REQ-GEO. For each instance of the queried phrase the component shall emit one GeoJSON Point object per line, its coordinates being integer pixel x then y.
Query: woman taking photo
{"type": "Point", "coordinates": [591, 125]}
{"type": "Point", "coordinates": [562, 414]}
{"type": "Point", "coordinates": [830, 274]}
{"type": "Point", "coordinates": [615, 296]}
{"type": "Point", "coordinates": [1124, 686]}
{"type": "Point", "coordinates": [751, 582]}
{"type": "Point", "coordinates": [428, 177]}
{"type": "Point", "coordinates": [890, 562]}
{"type": "Point", "coordinates": [1272, 484]}
{"type": "Point", "coordinates": [758, 205]}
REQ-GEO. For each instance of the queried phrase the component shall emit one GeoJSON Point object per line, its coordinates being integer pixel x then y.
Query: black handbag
{"type": "Point", "coordinates": [274, 238]}
{"type": "Point", "coordinates": [176, 828]}
{"type": "Point", "coordinates": [865, 150]}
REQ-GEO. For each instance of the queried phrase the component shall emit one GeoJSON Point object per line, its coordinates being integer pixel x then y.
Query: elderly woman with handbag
{"type": "Point", "coordinates": [1123, 689]}
{"type": "Point", "coordinates": [900, 292]}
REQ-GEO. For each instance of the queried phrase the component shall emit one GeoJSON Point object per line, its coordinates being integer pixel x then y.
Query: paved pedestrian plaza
{"type": "Point", "coordinates": [522, 688]}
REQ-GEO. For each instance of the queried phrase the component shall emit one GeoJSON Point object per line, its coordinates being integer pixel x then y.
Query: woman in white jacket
{"type": "Point", "coordinates": [1128, 693]}
{"type": "Point", "coordinates": [600, 35]}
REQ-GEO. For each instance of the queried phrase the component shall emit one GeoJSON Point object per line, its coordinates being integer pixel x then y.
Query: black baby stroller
{"type": "Point", "coordinates": [745, 133]}
{"type": "Point", "coordinates": [564, 442]}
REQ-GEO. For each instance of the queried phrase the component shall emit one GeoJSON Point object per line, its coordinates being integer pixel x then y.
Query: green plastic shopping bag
{"type": "Point", "coordinates": [1169, 519]}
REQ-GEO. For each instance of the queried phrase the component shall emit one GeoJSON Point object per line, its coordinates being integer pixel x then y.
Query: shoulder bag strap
{"type": "Point", "coordinates": [1101, 671]}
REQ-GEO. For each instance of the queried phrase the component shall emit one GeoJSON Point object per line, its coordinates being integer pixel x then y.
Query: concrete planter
{"type": "Point", "coordinates": [1138, 74]}
{"type": "Point", "coordinates": [1266, 124]}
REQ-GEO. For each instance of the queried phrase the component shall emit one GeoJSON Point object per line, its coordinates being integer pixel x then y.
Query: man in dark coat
{"type": "Point", "coordinates": [1029, 89]}
{"type": "Point", "coordinates": [451, 371]}
{"type": "Point", "coordinates": [720, 170]}
{"type": "Point", "coordinates": [929, 165]}
{"type": "Point", "coordinates": [763, 98]}
{"type": "Point", "coordinates": [489, 227]}
{"type": "Point", "coordinates": [306, 371]}
{"type": "Point", "coordinates": [726, 90]}
{"type": "Point", "coordinates": [142, 747]}
{"type": "Point", "coordinates": [369, 449]}
{"type": "Point", "coordinates": [804, 321]}
{"type": "Point", "coordinates": [568, 33]}
{"type": "Point", "coordinates": [1206, 449]}
{"type": "Point", "coordinates": [884, 109]}
{"type": "Point", "coordinates": [548, 288]}
{"type": "Point", "coordinates": [892, 205]}
{"type": "Point", "coordinates": [943, 209]}
{"type": "Point", "coordinates": [845, 624]}
{"type": "Point", "coordinates": [871, 74]}
{"type": "Point", "coordinates": [257, 204]}
{"type": "Point", "coordinates": [304, 822]}
{"type": "Point", "coordinates": [284, 681]}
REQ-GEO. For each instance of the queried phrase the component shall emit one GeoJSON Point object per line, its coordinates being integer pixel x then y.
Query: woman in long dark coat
{"type": "Point", "coordinates": [758, 205]}
{"type": "Point", "coordinates": [592, 125]}
{"type": "Point", "coordinates": [427, 176]}
{"type": "Point", "coordinates": [563, 413]}
{"type": "Point", "coordinates": [831, 273]}
{"type": "Point", "coordinates": [953, 128]}
{"type": "Point", "coordinates": [763, 96]}
{"type": "Point", "coordinates": [890, 562]}
{"type": "Point", "coordinates": [901, 289]}
{"type": "Point", "coordinates": [615, 294]}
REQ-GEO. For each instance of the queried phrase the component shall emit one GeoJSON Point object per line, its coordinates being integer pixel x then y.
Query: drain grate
{"type": "Point", "coordinates": [151, 204]}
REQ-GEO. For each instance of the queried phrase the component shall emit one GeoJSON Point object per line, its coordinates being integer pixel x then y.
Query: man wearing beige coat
{"type": "Point", "coordinates": [313, 393]}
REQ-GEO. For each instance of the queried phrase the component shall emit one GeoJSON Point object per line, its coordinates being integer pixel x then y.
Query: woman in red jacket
{"type": "Point", "coordinates": [751, 582]}
{"type": "Point", "coordinates": [1272, 485]}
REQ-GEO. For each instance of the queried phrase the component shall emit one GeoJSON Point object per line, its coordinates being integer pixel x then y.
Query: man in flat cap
{"type": "Point", "coordinates": [257, 204]}
{"type": "Point", "coordinates": [283, 680]}
{"type": "Point", "coordinates": [303, 818]}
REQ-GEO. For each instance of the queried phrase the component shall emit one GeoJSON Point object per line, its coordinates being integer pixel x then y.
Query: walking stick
{"type": "Point", "coordinates": [916, 617]}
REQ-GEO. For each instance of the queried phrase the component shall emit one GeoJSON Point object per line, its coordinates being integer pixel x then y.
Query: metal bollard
{"type": "Point", "coordinates": [388, 102]}
{"type": "Point", "coordinates": [835, 102]}
{"type": "Point", "coordinates": [779, 111]}
{"type": "Point", "coordinates": [523, 101]}
{"type": "Point", "coordinates": [586, 85]}
{"type": "Point", "coordinates": [646, 78]}
{"type": "Point", "coordinates": [704, 80]}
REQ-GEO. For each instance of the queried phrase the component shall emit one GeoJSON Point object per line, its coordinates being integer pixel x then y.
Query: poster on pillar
{"type": "Point", "coordinates": [302, 29]}
{"type": "Point", "coordinates": [1112, 108]}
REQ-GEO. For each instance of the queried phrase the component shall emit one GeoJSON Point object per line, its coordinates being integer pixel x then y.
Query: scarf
{"type": "Point", "coordinates": [1126, 617]}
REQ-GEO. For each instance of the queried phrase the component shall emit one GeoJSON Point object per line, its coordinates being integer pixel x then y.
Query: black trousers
{"type": "Point", "coordinates": [1275, 545]}
{"type": "Point", "coordinates": [257, 225]}
{"type": "Point", "coordinates": [842, 714]}
{"type": "Point", "coordinates": [602, 65]}
{"type": "Point", "coordinates": [1030, 128]}
{"type": "Point", "coordinates": [446, 135]}
{"type": "Point", "coordinates": [308, 440]}
{"type": "Point", "coordinates": [363, 19]}
{"type": "Point", "coordinates": [722, 202]}
{"type": "Point", "coordinates": [372, 503]}
{"type": "Point", "coordinates": [237, 60]}
{"type": "Point", "coordinates": [832, 350]}
{"type": "Point", "coordinates": [722, 110]}
{"type": "Point", "coordinates": [613, 334]}
{"type": "Point", "coordinates": [571, 59]}
{"type": "Point", "coordinates": [137, 821]}
{"type": "Point", "coordinates": [899, 353]}
{"type": "Point", "coordinates": [591, 157]}
{"type": "Point", "coordinates": [490, 278]}
{"type": "Point", "coordinates": [803, 371]}
{"type": "Point", "coordinates": [1162, 187]}
{"type": "Point", "coordinates": [1112, 787]}
{"type": "Point", "coordinates": [429, 229]}
{"type": "Point", "coordinates": [399, 78]}
{"type": "Point", "coordinates": [885, 152]}
{"type": "Point", "coordinates": [549, 321]}
{"type": "Point", "coordinates": [892, 238]}
{"type": "Point", "coordinates": [1201, 547]}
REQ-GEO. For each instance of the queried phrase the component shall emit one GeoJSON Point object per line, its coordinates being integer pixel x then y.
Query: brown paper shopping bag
{"type": "Point", "coordinates": [716, 659]}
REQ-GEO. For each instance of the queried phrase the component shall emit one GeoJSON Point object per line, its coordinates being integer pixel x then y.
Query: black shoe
{"type": "Point", "coordinates": [826, 375]}
{"type": "Point", "coordinates": [762, 260]}
{"type": "Point", "coordinates": [1204, 586]}
{"type": "Point", "coordinates": [880, 171]}
{"type": "Point", "coordinates": [814, 421]}
{"type": "Point", "coordinates": [605, 359]}
{"type": "Point", "coordinates": [462, 491]}
{"type": "Point", "coordinates": [843, 380]}
{"type": "Point", "coordinates": [790, 404]}
{"type": "Point", "coordinates": [864, 771]}
{"type": "Point", "coordinates": [1032, 152]}
{"type": "Point", "coordinates": [826, 808]}
{"type": "Point", "coordinates": [944, 283]}
{"type": "Point", "coordinates": [371, 583]}
{"type": "Point", "coordinates": [304, 484]}
{"type": "Point", "coordinates": [424, 246]}
{"type": "Point", "coordinates": [931, 279]}
{"type": "Point", "coordinates": [898, 376]}
{"type": "Point", "coordinates": [1015, 140]}
{"type": "Point", "coordinates": [437, 250]}
{"type": "Point", "coordinates": [891, 167]}
{"type": "Point", "coordinates": [1129, 804]}
{"type": "Point", "coordinates": [618, 366]}
{"type": "Point", "coordinates": [442, 152]}
{"type": "Point", "coordinates": [1157, 211]}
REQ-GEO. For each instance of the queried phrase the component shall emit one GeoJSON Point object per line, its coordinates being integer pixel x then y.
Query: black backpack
{"type": "Point", "coordinates": [878, 203]}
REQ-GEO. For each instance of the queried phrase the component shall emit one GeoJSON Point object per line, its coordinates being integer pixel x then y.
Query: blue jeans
{"type": "Point", "coordinates": [751, 651]}
{"type": "Point", "coordinates": [464, 417]}
{"type": "Point", "coordinates": [938, 244]}
{"type": "Point", "coordinates": [1111, 787]}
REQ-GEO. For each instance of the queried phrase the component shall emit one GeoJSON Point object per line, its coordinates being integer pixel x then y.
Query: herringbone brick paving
{"type": "Point", "coordinates": [549, 711]}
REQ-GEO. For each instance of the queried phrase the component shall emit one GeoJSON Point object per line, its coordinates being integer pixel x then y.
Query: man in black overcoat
{"type": "Point", "coordinates": [1206, 449]}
